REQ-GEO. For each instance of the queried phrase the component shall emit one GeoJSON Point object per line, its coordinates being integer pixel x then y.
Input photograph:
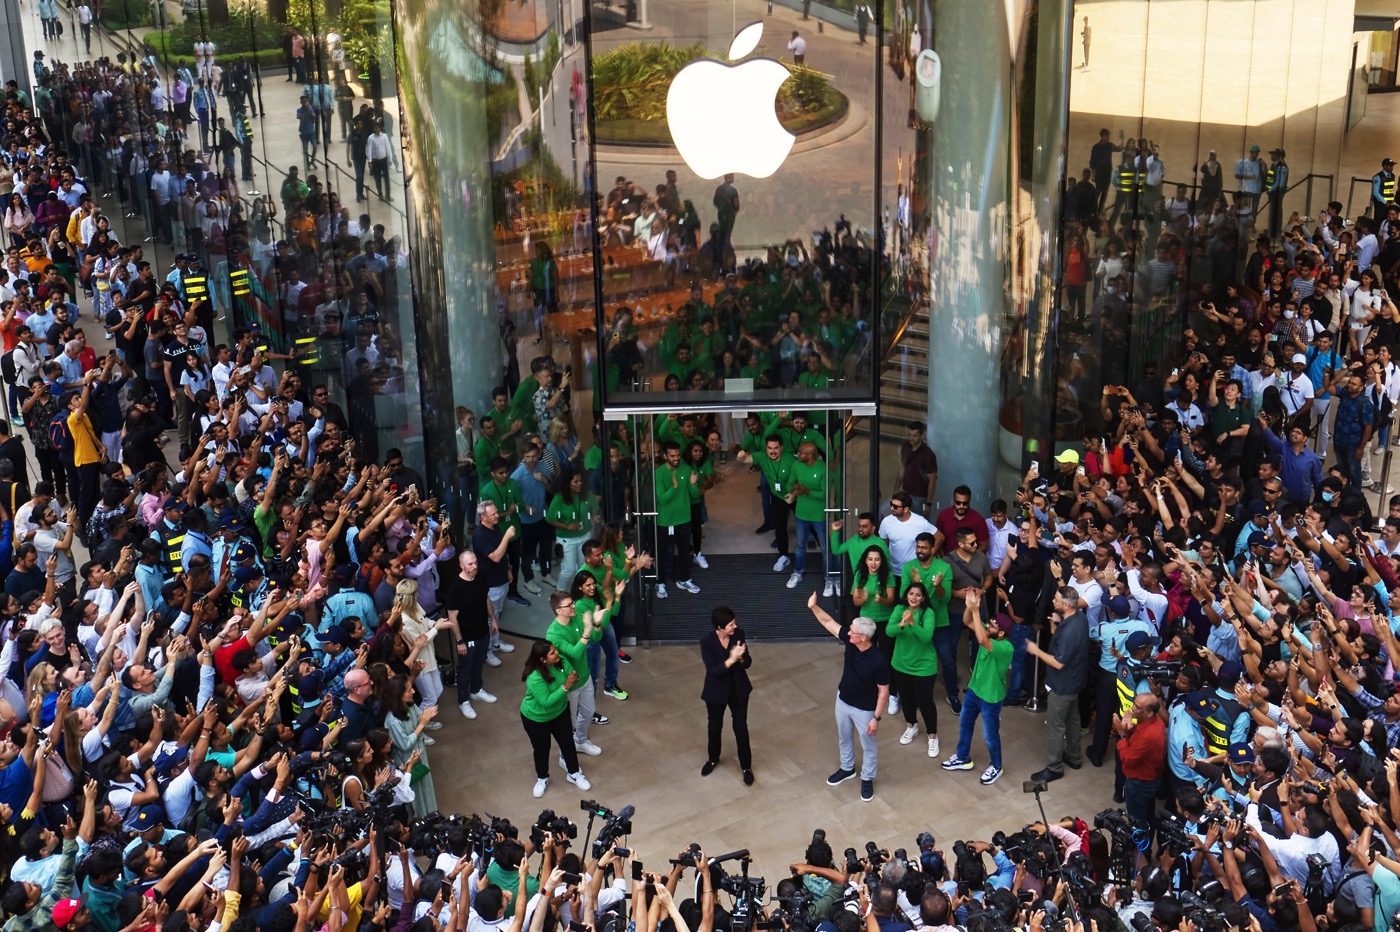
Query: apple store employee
{"type": "Point", "coordinates": [798, 48]}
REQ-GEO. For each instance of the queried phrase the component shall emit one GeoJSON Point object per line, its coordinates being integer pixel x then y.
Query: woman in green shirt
{"type": "Point", "coordinates": [571, 516]}
{"type": "Point", "coordinates": [590, 596]}
{"type": "Point", "coordinates": [698, 456]}
{"type": "Point", "coordinates": [875, 590]}
{"type": "Point", "coordinates": [915, 664]}
{"type": "Point", "coordinates": [545, 714]}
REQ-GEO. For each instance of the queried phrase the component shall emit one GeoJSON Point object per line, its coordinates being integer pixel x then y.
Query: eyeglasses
{"type": "Point", "coordinates": [958, 504]}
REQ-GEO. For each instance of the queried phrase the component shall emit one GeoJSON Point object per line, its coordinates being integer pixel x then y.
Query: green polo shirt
{"type": "Point", "coordinates": [938, 596]}
{"type": "Point", "coordinates": [672, 495]}
{"type": "Point", "coordinates": [854, 547]}
{"type": "Point", "coordinates": [568, 638]}
{"type": "Point", "coordinates": [580, 513]}
{"type": "Point", "coordinates": [811, 505]}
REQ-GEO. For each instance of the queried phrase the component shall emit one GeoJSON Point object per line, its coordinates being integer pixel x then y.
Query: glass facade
{"type": "Point", "coordinates": [927, 240]}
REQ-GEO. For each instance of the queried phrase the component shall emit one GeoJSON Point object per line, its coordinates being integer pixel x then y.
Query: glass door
{"type": "Point", "coordinates": [735, 506]}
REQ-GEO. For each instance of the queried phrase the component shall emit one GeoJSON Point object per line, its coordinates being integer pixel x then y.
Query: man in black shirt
{"type": "Point", "coordinates": [474, 622]}
{"type": "Point", "coordinates": [860, 698]}
{"type": "Point", "coordinates": [491, 545]}
{"type": "Point", "coordinates": [1067, 669]}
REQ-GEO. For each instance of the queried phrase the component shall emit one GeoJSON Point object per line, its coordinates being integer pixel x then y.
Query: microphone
{"type": "Point", "coordinates": [741, 853]}
{"type": "Point", "coordinates": [626, 812]}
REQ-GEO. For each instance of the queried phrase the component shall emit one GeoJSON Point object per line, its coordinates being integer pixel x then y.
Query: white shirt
{"type": "Point", "coordinates": [1292, 852]}
{"type": "Point", "coordinates": [1296, 390]}
{"type": "Point", "coordinates": [798, 46]}
{"type": "Point", "coordinates": [1092, 594]}
{"type": "Point", "coordinates": [996, 542]}
{"type": "Point", "coordinates": [900, 536]}
{"type": "Point", "coordinates": [377, 146]}
{"type": "Point", "coordinates": [1153, 606]}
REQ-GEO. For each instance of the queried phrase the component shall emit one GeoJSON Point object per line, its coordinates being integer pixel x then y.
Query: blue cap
{"type": "Point", "coordinates": [1137, 641]}
{"type": "Point", "coordinates": [1118, 607]}
{"type": "Point", "coordinates": [232, 522]}
{"type": "Point", "coordinates": [1256, 508]}
{"type": "Point", "coordinates": [243, 553]}
{"type": "Point", "coordinates": [168, 761]}
{"type": "Point", "coordinates": [1258, 539]}
{"type": "Point", "coordinates": [149, 817]}
{"type": "Point", "coordinates": [1201, 703]}
{"type": "Point", "coordinates": [312, 737]}
{"type": "Point", "coordinates": [173, 504]}
{"type": "Point", "coordinates": [310, 684]}
{"type": "Point", "coordinates": [1240, 753]}
{"type": "Point", "coordinates": [335, 634]}
{"type": "Point", "coordinates": [1229, 673]}
{"type": "Point", "coordinates": [246, 574]}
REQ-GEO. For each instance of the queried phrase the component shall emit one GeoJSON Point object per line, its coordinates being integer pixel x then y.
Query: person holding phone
{"type": "Point", "coordinates": [725, 652]}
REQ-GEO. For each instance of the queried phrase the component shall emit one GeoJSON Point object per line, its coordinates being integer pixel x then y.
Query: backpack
{"type": "Point", "coordinates": [7, 368]}
{"type": "Point", "coordinates": [60, 435]}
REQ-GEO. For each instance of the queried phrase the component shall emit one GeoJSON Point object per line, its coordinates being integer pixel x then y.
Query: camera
{"type": "Point", "coordinates": [852, 861]}
{"type": "Point", "coordinates": [1161, 672]}
{"type": "Point", "coordinates": [614, 825]}
{"type": "Point", "coordinates": [687, 856]}
{"type": "Point", "coordinates": [873, 854]}
{"type": "Point", "coordinates": [561, 828]}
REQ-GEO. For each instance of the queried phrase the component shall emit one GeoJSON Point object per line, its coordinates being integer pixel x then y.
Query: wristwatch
{"type": "Point", "coordinates": [878, 717]}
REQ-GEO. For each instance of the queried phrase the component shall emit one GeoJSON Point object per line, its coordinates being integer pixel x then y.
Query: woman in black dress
{"type": "Point", "coordinates": [727, 661]}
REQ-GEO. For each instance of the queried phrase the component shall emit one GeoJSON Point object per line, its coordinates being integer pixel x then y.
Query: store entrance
{"type": "Point", "coordinates": [740, 556]}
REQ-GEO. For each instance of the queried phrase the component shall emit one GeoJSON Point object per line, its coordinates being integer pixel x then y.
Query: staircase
{"type": "Point", "coordinates": [904, 371]}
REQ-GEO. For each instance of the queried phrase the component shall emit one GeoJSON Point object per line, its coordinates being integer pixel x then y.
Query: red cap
{"type": "Point", "coordinates": [65, 910]}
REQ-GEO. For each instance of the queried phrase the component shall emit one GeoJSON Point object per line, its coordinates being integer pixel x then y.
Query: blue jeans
{"type": "Point", "coordinates": [945, 642]}
{"type": "Point", "coordinates": [1140, 799]}
{"type": "Point", "coordinates": [604, 647]}
{"type": "Point", "coordinates": [805, 529]}
{"type": "Point", "coordinates": [1348, 461]}
{"type": "Point", "coordinates": [1018, 637]}
{"type": "Point", "coordinates": [991, 727]}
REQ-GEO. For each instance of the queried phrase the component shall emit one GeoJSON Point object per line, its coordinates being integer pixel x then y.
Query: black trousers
{"type": "Point", "coordinates": [1105, 703]}
{"type": "Point", "coordinates": [513, 555]}
{"type": "Point", "coordinates": [51, 469]}
{"type": "Point", "coordinates": [675, 552]}
{"type": "Point", "coordinates": [537, 544]}
{"type": "Point", "coordinates": [781, 511]}
{"type": "Point", "coordinates": [916, 694]}
{"type": "Point", "coordinates": [739, 718]}
{"type": "Point", "coordinates": [561, 729]}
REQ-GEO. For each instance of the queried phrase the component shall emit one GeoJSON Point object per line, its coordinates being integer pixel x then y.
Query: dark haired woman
{"type": "Point", "coordinates": [725, 652]}
{"type": "Point", "coordinates": [545, 714]}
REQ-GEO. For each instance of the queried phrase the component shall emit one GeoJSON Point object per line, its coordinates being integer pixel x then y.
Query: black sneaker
{"type": "Point", "coordinates": [599, 719]}
{"type": "Point", "coordinates": [955, 704]}
{"type": "Point", "coordinates": [624, 657]}
{"type": "Point", "coordinates": [867, 790]}
{"type": "Point", "coordinates": [839, 777]}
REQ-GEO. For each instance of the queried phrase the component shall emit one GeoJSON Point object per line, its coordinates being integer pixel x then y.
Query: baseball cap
{"type": "Point", "coordinates": [1240, 753]}
{"type": "Point", "coordinates": [312, 737]}
{"type": "Point", "coordinates": [1276, 152]}
{"type": "Point", "coordinates": [1118, 607]}
{"type": "Point", "coordinates": [1253, 148]}
{"type": "Point", "coordinates": [1137, 640]}
{"type": "Point", "coordinates": [1004, 622]}
{"type": "Point", "coordinates": [335, 634]}
{"type": "Point", "coordinates": [149, 817]}
{"type": "Point", "coordinates": [246, 574]}
{"type": "Point", "coordinates": [243, 553]}
{"type": "Point", "coordinates": [1299, 357]}
{"type": "Point", "coordinates": [1258, 538]}
{"type": "Point", "coordinates": [1256, 508]}
{"type": "Point", "coordinates": [232, 522]}
{"type": "Point", "coordinates": [168, 761]}
{"type": "Point", "coordinates": [65, 910]}
{"type": "Point", "coordinates": [1229, 673]}
{"type": "Point", "coordinates": [1387, 161]}
{"type": "Point", "coordinates": [1069, 456]}
{"type": "Point", "coordinates": [1201, 703]}
{"type": "Point", "coordinates": [310, 684]}
{"type": "Point", "coordinates": [173, 504]}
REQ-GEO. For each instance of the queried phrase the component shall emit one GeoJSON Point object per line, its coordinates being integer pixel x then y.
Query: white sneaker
{"type": "Point", "coordinates": [492, 660]}
{"type": "Point", "coordinates": [434, 725]}
{"type": "Point", "coordinates": [580, 781]}
{"type": "Point", "coordinates": [837, 585]}
{"type": "Point", "coordinates": [503, 648]}
{"type": "Point", "coordinates": [793, 580]}
{"type": "Point", "coordinates": [466, 709]}
{"type": "Point", "coordinates": [661, 590]}
{"type": "Point", "coordinates": [893, 708]}
{"type": "Point", "coordinates": [428, 740]}
{"type": "Point", "coordinates": [909, 733]}
{"type": "Point", "coordinates": [782, 564]}
{"type": "Point", "coordinates": [531, 588]}
{"type": "Point", "coordinates": [540, 785]}
{"type": "Point", "coordinates": [826, 592]}
{"type": "Point", "coordinates": [688, 586]}
{"type": "Point", "coordinates": [482, 695]}
{"type": "Point", "coordinates": [700, 561]}
{"type": "Point", "coordinates": [589, 748]}
{"type": "Point", "coordinates": [933, 746]}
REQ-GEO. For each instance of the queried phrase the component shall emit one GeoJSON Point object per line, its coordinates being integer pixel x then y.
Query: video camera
{"type": "Point", "coordinates": [561, 828]}
{"type": "Point", "coordinates": [615, 824]}
{"type": "Point", "coordinates": [1161, 672]}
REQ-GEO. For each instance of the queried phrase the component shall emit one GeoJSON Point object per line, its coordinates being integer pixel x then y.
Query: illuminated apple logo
{"type": "Point", "coordinates": [721, 116]}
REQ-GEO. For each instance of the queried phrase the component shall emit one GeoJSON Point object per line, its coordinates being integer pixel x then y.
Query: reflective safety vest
{"type": "Point", "coordinates": [196, 287]}
{"type": "Point", "coordinates": [307, 351]}
{"type": "Point", "coordinates": [1126, 682]}
{"type": "Point", "coordinates": [239, 282]}
{"type": "Point", "coordinates": [246, 125]}
{"type": "Point", "coordinates": [172, 541]}
{"type": "Point", "coordinates": [1217, 727]}
{"type": "Point", "coordinates": [1126, 179]}
{"type": "Point", "coordinates": [1387, 185]}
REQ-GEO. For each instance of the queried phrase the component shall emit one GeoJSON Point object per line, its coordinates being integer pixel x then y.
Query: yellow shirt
{"type": "Point", "coordinates": [84, 440]}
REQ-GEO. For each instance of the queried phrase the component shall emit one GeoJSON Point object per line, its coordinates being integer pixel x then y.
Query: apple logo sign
{"type": "Point", "coordinates": [721, 116]}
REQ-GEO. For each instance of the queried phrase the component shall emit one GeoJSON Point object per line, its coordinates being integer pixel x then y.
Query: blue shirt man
{"type": "Point", "coordinates": [1184, 731]}
{"type": "Point", "coordinates": [1115, 630]}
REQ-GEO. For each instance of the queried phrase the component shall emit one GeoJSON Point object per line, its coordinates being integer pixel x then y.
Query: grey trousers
{"type": "Point", "coordinates": [1062, 731]}
{"type": "Point", "coordinates": [581, 707]}
{"type": "Point", "coordinates": [850, 724]}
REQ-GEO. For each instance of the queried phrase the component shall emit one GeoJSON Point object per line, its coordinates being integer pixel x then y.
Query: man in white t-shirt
{"type": "Point", "coordinates": [901, 528]}
{"type": "Point", "coordinates": [1297, 388]}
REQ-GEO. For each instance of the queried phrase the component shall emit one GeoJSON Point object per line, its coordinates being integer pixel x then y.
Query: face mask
{"type": "Point", "coordinates": [1112, 289]}
{"type": "Point", "coordinates": [1289, 314]}
{"type": "Point", "coordinates": [1329, 496]}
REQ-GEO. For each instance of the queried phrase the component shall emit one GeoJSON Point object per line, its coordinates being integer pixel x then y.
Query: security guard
{"type": "Point", "coordinates": [1113, 635]}
{"type": "Point", "coordinates": [243, 132]}
{"type": "Point", "coordinates": [1276, 183]}
{"type": "Point", "coordinates": [247, 589]}
{"type": "Point", "coordinates": [1229, 724]}
{"type": "Point", "coordinates": [228, 541]}
{"type": "Point", "coordinates": [1383, 188]}
{"type": "Point", "coordinates": [1125, 185]}
{"type": "Point", "coordinates": [170, 533]}
{"type": "Point", "coordinates": [240, 286]}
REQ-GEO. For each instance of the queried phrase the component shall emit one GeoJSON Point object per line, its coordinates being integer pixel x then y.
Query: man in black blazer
{"type": "Point", "coordinates": [727, 661]}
